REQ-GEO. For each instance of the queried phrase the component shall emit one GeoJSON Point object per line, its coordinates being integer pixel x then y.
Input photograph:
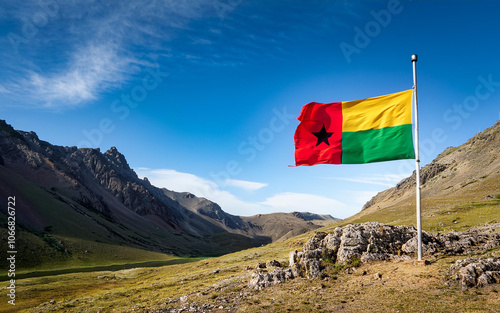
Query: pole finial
{"type": "Point", "coordinates": [414, 58]}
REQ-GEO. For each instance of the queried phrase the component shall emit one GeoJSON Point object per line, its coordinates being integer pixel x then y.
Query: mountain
{"type": "Point", "coordinates": [461, 180]}
{"type": "Point", "coordinates": [71, 202]}
{"type": "Point", "coordinates": [277, 226]}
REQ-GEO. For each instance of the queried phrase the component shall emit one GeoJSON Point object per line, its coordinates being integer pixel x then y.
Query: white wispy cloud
{"type": "Point", "coordinates": [246, 185]}
{"type": "Point", "coordinates": [289, 202]}
{"type": "Point", "coordinates": [101, 48]}
{"type": "Point", "coordinates": [388, 180]}
{"type": "Point", "coordinates": [178, 181]}
{"type": "Point", "coordinates": [91, 70]}
{"type": "Point", "coordinates": [186, 182]}
{"type": "Point", "coordinates": [4, 90]}
{"type": "Point", "coordinates": [282, 202]}
{"type": "Point", "coordinates": [88, 49]}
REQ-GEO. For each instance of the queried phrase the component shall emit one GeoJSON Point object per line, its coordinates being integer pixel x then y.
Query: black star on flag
{"type": "Point", "coordinates": [323, 136]}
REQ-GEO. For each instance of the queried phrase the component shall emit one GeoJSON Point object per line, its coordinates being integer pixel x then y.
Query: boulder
{"type": "Point", "coordinates": [260, 281]}
{"type": "Point", "coordinates": [475, 272]}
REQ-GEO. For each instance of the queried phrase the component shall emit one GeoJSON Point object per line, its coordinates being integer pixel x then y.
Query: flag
{"type": "Point", "coordinates": [353, 132]}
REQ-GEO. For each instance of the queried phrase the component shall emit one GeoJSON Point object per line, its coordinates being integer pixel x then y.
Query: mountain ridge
{"type": "Point", "coordinates": [69, 193]}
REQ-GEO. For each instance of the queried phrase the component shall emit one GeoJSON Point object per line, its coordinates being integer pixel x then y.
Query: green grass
{"type": "Point", "coordinates": [401, 287]}
{"type": "Point", "coordinates": [437, 214]}
{"type": "Point", "coordinates": [34, 254]}
{"type": "Point", "coordinates": [333, 269]}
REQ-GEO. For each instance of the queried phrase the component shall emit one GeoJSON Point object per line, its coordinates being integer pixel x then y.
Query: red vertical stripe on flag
{"type": "Point", "coordinates": [318, 138]}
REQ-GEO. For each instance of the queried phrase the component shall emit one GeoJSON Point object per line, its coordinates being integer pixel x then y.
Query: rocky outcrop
{"type": "Point", "coordinates": [373, 241]}
{"type": "Point", "coordinates": [365, 242]}
{"type": "Point", "coordinates": [268, 274]}
{"type": "Point", "coordinates": [476, 239]}
{"type": "Point", "coordinates": [475, 272]}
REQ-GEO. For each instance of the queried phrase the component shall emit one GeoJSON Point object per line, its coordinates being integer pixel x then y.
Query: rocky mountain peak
{"type": "Point", "coordinates": [7, 131]}
{"type": "Point", "coordinates": [117, 158]}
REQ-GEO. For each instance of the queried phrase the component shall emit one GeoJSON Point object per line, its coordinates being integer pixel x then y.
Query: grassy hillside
{"type": "Point", "coordinates": [55, 232]}
{"type": "Point", "coordinates": [461, 188]}
{"type": "Point", "coordinates": [50, 242]}
{"type": "Point", "coordinates": [457, 212]}
{"type": "Point", "coordinates": [222, 282]}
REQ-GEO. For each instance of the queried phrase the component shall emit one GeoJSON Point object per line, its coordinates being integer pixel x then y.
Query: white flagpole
{"type": "Point", "coordinates": [414, 59]}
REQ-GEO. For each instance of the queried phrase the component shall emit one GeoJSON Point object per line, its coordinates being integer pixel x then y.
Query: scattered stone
{"type": "Point", "coordinates": [52, 302]}
{"type": "Point", "coordinates": [216, 271]}
{"type": "Point", "coordinates": [377, 276]}
{"type": "Point", "coordinates": [261, 265]}
{"type": "Point", "coordinates": [273, 263]}
{"type": "Point", "coordinates": [260, 281]}
{"type": "Point", "coordinates": [421, 262]}
{"type": "Point", "coordinates": [475, 272]}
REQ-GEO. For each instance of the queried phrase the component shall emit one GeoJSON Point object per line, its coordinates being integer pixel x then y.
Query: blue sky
{"type": "Point", "coordinates": [202, 96]}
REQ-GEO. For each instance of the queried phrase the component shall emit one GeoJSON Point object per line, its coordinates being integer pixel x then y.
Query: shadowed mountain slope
{"type": "Point", "coordinates": [71, 201]}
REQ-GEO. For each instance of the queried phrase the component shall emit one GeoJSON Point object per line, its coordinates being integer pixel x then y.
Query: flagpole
{"type": "Point", "coordinates": [414, 59]}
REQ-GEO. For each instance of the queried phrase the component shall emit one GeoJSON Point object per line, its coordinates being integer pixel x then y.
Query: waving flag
{"type": "Point", "coordinates": [353, 132]}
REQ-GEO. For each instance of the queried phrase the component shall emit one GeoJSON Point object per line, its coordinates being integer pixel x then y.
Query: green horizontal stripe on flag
{"type": "Point", "coordinates": [377, 145]}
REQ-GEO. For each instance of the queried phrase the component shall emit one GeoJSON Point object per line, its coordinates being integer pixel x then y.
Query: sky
{"type": "Point", "coordinates": [203, 96]}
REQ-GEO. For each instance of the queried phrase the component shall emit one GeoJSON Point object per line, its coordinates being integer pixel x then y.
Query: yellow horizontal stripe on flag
{"type": "Point", "coordinates": [378, 112]}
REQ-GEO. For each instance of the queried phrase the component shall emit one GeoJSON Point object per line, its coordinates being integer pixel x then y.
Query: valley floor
{"type": "Point", "coordinates": [220, 285]}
